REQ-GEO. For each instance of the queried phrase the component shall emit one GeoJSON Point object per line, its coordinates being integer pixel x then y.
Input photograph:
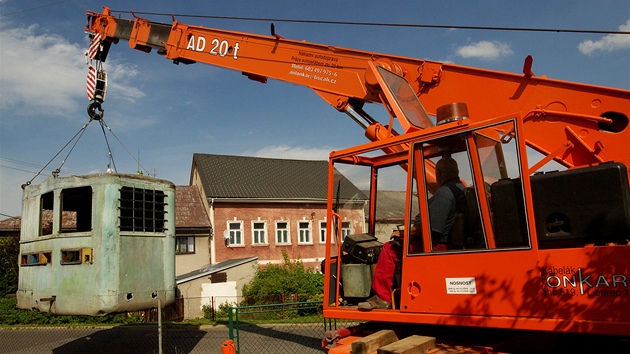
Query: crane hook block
{"type": "Point", "coordinates": [95, 111]}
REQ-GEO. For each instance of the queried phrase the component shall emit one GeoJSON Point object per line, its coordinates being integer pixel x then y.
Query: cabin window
{"type": "Point", "coordinates": [282, 233]}
{"type": "Point", "coordinates": [489, 212]}
{"type": "Point", "coordinates": [304, 232]}
{"type": "Point", "coordinates": [46, 213]}
{"type": "Point", "coordinates": [142, 210]}
{"type": "Point", "coordinates": [497, 150]}
{"type": "Point", "coordinates": [70, 256]}
{"type": "Point", "coordinates": [185, 244]}
{"type": "Point", "coordinates": [36, 258]}
{"type": "Point", "coordinates": [451, 195]}
{"type": "Point", "coordinates": [76, 209]}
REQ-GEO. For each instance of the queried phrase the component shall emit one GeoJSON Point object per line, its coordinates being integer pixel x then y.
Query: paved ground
{"type": "Point", "coordinates": [124, 339]}
{"type": "Point", "coordinates": [144, 339]}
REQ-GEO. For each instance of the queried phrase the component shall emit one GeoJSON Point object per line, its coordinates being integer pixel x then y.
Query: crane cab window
{"type": "Point", "coordinates": [461, 205]}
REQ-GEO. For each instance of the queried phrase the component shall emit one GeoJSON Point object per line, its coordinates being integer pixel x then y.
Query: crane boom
{"type": "Point", "coordinates": [583, 116]}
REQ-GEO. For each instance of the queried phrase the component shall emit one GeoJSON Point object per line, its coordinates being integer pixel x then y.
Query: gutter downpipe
{"type": "Point", "coordinates": [213, 252]}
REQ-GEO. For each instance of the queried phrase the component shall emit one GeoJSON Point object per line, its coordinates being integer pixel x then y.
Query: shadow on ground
{"type": "Point", "coordinates": [135, 339]}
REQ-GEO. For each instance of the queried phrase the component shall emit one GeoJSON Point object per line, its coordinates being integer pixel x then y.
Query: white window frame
{"type": "Point", "coordinates": [259, 236]}
{"type": "Point", "coordinates": [287, 230]}
{"type": "Point", "coordinates": [305, 235]}
{"type": "Point", "coordinates": [322, 231]}
{"type": "Point", "coordinates": [233, 234]}
{"type": "Point", "coordinates": [345, 229]}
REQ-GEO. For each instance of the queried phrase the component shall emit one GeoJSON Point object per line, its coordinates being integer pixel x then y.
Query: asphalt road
{"type": "Point", "coordinates": [144, 339]}
{"type": "Point", "coordinates": [124, 339]}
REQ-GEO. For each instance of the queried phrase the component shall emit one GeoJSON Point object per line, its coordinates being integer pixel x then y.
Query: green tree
{"type": "Point", "coordinates": [272, 281]}
{"type": "Point", "coordinates": [9, 251]}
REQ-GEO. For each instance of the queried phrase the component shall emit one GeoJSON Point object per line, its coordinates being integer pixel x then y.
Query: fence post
{"type": "Point", "coordinates": [159, 326]}
{"type": "Point", "coordinates": [214, 312]}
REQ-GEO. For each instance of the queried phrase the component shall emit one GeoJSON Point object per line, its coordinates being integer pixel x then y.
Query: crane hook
{"type": "Point", "coordinates": [95, 111]}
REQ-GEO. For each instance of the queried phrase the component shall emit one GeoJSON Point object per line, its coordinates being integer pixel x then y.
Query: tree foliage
{"type": "Point", "coordinates": [9, 252]}
{"type": "Point", "coordinates": [273, 281]}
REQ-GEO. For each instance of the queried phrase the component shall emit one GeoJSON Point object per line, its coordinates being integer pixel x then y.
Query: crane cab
{"type": "Point", "coordinates": [97, 244]}
{"type": "Point", "coordinates": [543, 251]}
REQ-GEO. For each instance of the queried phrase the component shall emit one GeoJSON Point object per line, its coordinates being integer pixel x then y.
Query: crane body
{"type": "Point", "coordinates": [540, 251]}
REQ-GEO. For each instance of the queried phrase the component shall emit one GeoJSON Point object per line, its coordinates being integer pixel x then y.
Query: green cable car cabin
{"type": "Point", "coordinates": [97, 244]}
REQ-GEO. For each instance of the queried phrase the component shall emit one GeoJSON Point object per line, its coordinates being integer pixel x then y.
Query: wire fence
{"type": "Point", "coordinates": [270, 328]}
{"type": "Point", "coordinates": [297, 327]}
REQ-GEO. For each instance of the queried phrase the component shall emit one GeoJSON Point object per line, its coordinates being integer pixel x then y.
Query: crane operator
{"type": "Point", "coordinates": [442, 207]}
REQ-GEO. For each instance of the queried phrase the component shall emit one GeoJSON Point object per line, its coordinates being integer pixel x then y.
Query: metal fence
{"type": "Point", "coordinates": [287, 328]}
{"type": "Point", "coordinates": [272, 328]}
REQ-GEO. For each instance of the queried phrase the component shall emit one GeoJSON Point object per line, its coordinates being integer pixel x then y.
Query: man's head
{"type": "Point", "coordinates": [446, 169]}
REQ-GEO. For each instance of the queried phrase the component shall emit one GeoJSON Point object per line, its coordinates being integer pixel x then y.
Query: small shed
{"type": "Point", "coordinates": [215, 284]}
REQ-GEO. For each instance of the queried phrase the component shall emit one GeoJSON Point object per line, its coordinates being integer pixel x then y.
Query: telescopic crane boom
{"type": "Point", "coordinates": [574, 124]}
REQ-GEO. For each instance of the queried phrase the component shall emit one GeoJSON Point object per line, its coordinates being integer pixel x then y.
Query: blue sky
{"type": "Point", "coordinates": [165, 113]}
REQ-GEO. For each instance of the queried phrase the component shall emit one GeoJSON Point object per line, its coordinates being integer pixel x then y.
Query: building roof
{"type": "Point", "coordinates": [225, 176]}
{"type": "Point", "coordinates": [210, 269]}
{"type": "Point", "coordinates": [189, 209]}
{"type": "Point", "coordinates": [69, 220]}
{"type": "Point", "coordinates": [391, 205]}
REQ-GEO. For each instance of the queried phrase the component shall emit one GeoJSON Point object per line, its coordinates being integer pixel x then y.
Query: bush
{"type": "Point", "coordinates": [9, 252]}
{"type": "Point", "coordinates": [280, 281]}
{"type": "Point", "coordinates": [10, 315]}
{"type": "Point", "coordinates": [221, 313]}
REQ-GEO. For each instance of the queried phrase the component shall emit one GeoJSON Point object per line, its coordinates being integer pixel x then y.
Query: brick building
{"type": "Point", "coordinates": [262, 206]}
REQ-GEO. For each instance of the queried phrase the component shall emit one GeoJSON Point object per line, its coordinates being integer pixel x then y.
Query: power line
{"type": "Point", "coordinates": [379, 24]}
{"type": "Point", "coordinates": [33, 8]}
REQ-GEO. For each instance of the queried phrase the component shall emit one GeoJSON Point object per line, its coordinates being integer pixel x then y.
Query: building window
{"type": "Point", "coordinates": [235, 229]}
{"type": "Point", "coordinates": [142, 210]}
{"type": "Point", "coordinates": [322, 232]}
{"type": "Point", "coordinates": [304, 231]}
{"type": "Point", "coordinates": [282, 232]}
{"type": "Point", "coordinates": [184, 244]}
{"type": "Point", "coordinates": [345, 230]}
{"type": "Point", "coordinates": [259, 230]}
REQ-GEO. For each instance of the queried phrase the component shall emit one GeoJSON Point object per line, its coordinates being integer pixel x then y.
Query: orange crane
{"type": "Point", "coordinates": [536, 250]}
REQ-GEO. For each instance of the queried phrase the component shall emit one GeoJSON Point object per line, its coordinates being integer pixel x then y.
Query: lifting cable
{"type": "Point", "coordinates": [56, 172]}
{"type": "Point", "coordinates": [105, 128]}
{"type": "Point", "coordinates": [109, 149]}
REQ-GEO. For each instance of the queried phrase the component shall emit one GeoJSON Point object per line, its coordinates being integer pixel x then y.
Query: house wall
{"type": "Point", "coordinates": [188, 262]}
{"type": "Point", "coordinates": [202, 291]}
{"type": "Point", "coordinates": [311, 253]}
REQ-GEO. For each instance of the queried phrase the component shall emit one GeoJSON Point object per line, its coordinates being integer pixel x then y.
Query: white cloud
{"type": "Point", "coordinates": [485, 50]}
{"type": "Point", "coordinates": [289, 152]}
{"type": "Point", "coordinates": [44, 74]}
{"type": "Point", "coordinates": [607, 43]}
